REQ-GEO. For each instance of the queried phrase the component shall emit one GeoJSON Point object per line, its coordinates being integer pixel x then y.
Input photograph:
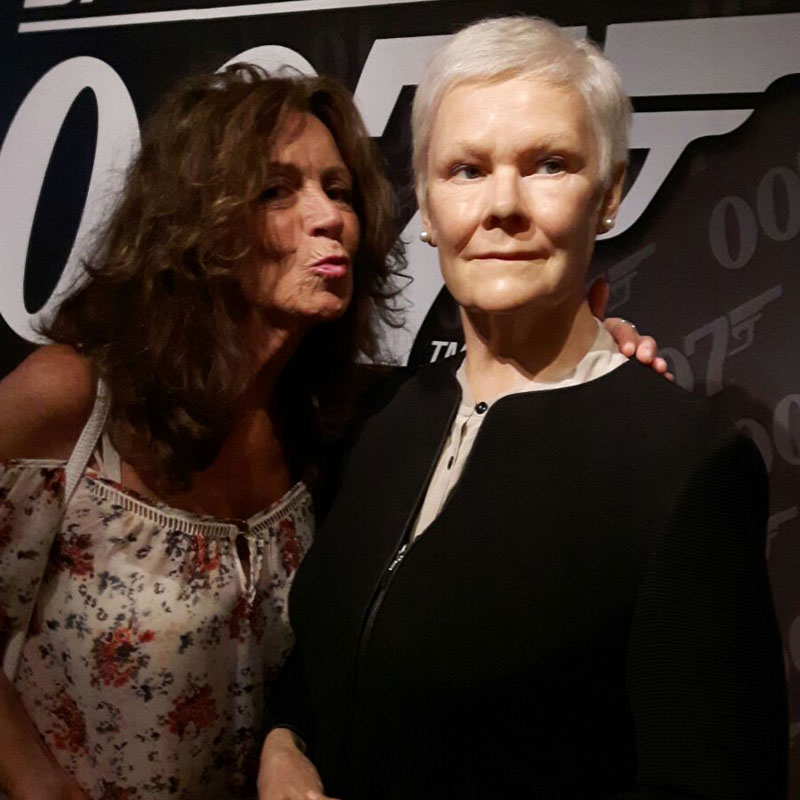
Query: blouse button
{"type": "Point", "coordinates": [481, 408]}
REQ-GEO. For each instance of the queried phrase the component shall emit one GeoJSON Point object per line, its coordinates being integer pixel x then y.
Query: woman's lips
{"type": "Point", "coordinates": [333, 267]}
{"type": "Point", "coordinates": [501, 256]}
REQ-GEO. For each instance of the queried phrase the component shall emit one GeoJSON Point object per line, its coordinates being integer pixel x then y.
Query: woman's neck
{"type": "Point", "coordinates": [272, 347]}
{"type": "Point", "coordinates": [252, 469]}
{"type": "Point", "coordinates": [250, 472]}
{"type": "Point", "coordinates": [504, 351]}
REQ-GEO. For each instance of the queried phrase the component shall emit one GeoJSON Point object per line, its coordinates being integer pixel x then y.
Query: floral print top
{"type": "Point", "coordinates": [155, 632]}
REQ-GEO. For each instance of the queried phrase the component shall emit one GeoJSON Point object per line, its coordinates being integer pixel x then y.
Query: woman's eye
{"type": "Point", "coordinates": [550, 166]}
{"type": "Point", "coordinates": [466, 171]}
{"type": "Point", "coordinates": [276, 193]}
{"type": "Point", "coordinates": [340, 194]}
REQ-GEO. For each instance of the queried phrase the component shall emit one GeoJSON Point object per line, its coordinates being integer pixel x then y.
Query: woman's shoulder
{"type": "Point", "coordinates": [665, 417]}
{"type": "Point", "coordinates": [651, 395]}
{"type": "Point", "coordinates": [44, 403]}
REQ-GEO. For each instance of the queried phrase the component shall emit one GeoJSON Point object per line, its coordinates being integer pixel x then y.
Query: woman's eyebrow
{"type": "Point", "coordinates": [339, 171]}
{"type": "Point", "coordinates": [460, 148]}
{"type": "Point", "coordinates": [547, 140]}
{"type": "Point", "coordinates": [282, 168]}
{"type": "Point", "coordinates": [464, 148]}
{"type": "Point", "coordinates": [289, 170]}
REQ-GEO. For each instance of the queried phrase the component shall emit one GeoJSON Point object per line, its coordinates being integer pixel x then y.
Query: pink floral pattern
{"type": "Point", "coordinates": [117, 657]}
{"type": "Point", "coordinates": [291, 545]}
{"type": "Point", "coordinates": [245, 622]}
{"type": "Point", "coordinates": [68, 725]}
{"type": "Point", "coordinates": [192, 711]}
{"type": "Point", "coordinates": [113, 791]}
{"type": "Point", "coordinates": [73, 553]}
{"type": "Point", "coordinates": [148, 657]}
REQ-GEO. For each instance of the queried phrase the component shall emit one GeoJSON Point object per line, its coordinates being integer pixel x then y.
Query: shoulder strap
{"type": "Point", "coordinates": [111, 462]}
{"type": "Point", "coordinates": [87, 441]}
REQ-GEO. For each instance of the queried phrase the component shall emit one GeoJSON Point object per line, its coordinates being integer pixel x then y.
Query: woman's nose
{"type": "Point", "coordinates": [506, 201]}
{"type": "Point", "coordinates": [322, 216]}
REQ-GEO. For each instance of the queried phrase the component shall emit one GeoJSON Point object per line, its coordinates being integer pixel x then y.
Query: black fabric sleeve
{"type": "Point", "coordinates": [704, 663]}
{"type": "Point", "coordinates": [289, 705]}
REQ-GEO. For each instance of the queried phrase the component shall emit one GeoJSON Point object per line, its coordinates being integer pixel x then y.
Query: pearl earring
{"type": "Point", "coordinates": [424, 236]}
{"type": "Point", "coordinates": [609, 223]}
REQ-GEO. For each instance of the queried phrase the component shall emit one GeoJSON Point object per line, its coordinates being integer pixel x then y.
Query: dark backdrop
{"type": "Point", "coordinates": [706, 255]}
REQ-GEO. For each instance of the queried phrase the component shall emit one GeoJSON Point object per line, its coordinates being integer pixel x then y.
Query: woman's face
{"type": "Point", "coordinates": [514, 199]}
{"type": "Point", "coordinates": [309, 229]}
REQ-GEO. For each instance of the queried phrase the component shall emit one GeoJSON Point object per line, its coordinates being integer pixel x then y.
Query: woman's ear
{"type": "Point", "coordinates": [427, 235]}
{"type": "Point", "coordinates": [612, 197]}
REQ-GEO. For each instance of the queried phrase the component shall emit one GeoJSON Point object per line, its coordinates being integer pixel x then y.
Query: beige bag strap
{"type": "Point", "coordinates": [87, 441]}
{"type": "Point", "coordinates": [78, 460]}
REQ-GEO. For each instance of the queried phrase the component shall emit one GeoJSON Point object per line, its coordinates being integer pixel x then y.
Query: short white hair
{"type": "Point", "coordinates": [494, 50]}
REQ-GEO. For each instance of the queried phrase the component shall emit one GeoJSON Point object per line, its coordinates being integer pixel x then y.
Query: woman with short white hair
{"type": "Point", "coordinates": [489, 610]}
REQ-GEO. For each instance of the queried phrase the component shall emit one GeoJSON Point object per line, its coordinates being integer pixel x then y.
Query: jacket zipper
{"type": "Point", "coordinates": [402, 551]}
{"type": "Point", "coordinates": [383, 586]}
{"type": "Point", "coordinates": [391, 570]}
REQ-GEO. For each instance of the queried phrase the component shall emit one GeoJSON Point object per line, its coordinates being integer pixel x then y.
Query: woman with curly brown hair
{"type": "Point", "coordinates": [212, 347]}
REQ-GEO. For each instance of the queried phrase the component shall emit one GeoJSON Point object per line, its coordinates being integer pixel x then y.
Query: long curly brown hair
{"type": "Point", "coordinates": [160, 313]}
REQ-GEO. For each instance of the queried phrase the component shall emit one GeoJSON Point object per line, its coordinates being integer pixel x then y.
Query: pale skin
{"type": "Point", "coordinates": [304, 278]}
{"type": "Point", "coordinates": [514, 211]}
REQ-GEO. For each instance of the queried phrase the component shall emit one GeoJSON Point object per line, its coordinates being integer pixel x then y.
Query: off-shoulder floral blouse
{"type": "Point", "coordinates": [155, 631]}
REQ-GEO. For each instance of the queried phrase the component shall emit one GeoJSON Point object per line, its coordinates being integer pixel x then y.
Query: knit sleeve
{"type": "Point", "coordinates": [289, 704]}
{"type": "Point", "coordinates": [704, 664]}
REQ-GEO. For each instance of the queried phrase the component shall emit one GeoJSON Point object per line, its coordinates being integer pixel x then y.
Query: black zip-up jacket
{"type": "Point", "coordinates": [588, 617]}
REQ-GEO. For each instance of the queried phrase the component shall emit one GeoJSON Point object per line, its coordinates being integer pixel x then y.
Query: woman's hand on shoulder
{"type": "Point", "coordinates": [44, 404]}
{"type": "Point", "coordinates": [285, 773]}
{"type": "Point", "coordinates": [629, 341]}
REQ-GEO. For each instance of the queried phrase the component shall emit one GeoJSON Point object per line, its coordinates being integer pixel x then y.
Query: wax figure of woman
{"type": "Point", "coordinates": [227, 300]}
{"type": "Point", "coordinates": [490, 610]}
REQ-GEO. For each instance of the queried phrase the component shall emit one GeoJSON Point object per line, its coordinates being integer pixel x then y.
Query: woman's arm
{"type": "Point", "coordinates": [27, 769]}
{"type": "Point", "coordinates": [285, 772]}
{"type": "Point", "coordinates": [44, 403]}
{"type": "Point", "coordinates": [705, 667]}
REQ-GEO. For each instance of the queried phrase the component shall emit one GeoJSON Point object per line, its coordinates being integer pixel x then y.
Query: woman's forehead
{"type": "Point", "coordinates": [512, 108]}
{"type": "Point", "coordinates": [302, 136]}
{"type": "Point", "coordinates": [507, 90]}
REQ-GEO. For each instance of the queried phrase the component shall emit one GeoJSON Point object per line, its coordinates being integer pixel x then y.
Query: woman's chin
{"type": "Point", "coordinates": [501, 295]}
{"type": "Point", "coordinates": [506, 303]}
{"type": "Point", "coordinates": [327, 310]}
